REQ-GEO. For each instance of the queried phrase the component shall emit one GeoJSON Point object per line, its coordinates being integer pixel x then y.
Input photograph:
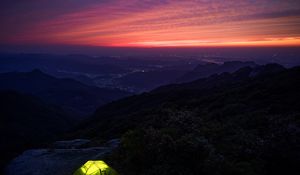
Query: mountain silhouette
{"type": "Point", "coordinates": [202, 71]}
{"type": "Point", "coordinates": [74, 97]}
{"type": "Point", "coordinates": [26, 121]}
{"type": "Point", "coordinates": [243, 122]}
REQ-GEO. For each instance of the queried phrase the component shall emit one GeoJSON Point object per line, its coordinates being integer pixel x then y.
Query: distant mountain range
{"type": "Point", "coordinates": [146, 81]}
{"type": "Point", "coordinates": [132, 74]}
{"type": "Point", "coordinates": [55, 63]}
{"type": "Point", "coordinates": [205, 70]}
{"type": "Point", "coordinates": [231, 118]}
{"type": "Point", "coordinates": [245, 122]}
{"type": "Point", "coordinates": [76, 98]}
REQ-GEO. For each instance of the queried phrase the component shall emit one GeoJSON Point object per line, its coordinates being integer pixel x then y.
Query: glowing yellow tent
{"type": "Point", "coordinates": [95, 167]}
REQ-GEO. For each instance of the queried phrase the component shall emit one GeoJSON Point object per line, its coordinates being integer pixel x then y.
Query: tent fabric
{"type": "Point", "coordinates": [95, 167]}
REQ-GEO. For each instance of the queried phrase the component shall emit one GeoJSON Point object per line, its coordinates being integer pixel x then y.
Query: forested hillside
{"type": "Point", "coordinates": [246, 122]}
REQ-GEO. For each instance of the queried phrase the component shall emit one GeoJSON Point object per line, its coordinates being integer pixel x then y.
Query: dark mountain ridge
{"type": "Point", "coordinates": [241, 75]}
{"type": "Point", "coordinates": [74, 97]}
{"type": "Point", "coordinates": [122, 72]}
{"type": "Point", "coordinates": [26, 121]}
{"type": "Point", "coordinates": [183, 92]}
{"type": "Point", "coordinates": [206, 70]}
{"type": "Point", "coordinates": [246, 122]}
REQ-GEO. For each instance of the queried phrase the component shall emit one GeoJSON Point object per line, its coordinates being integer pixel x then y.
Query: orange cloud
{"type": "Point", "coordinates": [171, 23]}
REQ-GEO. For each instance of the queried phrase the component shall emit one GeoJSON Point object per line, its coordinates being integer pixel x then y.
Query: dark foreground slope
{"type": "Point", "coordinates": [25, 122]}
{"type": "Point", "coordinates": [246, 122]}
{"type": "Point", "coordinates": [74, 97]}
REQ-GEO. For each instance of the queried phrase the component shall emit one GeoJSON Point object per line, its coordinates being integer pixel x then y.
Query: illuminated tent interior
{"type": "Point", "coordinates": [95, 167]}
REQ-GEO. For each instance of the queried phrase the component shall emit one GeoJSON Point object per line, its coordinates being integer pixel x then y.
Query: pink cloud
{"type": "Point", "coordinates": [133, 22]}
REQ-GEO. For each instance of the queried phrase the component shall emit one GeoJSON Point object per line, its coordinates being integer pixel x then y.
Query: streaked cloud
{"type": "Point", "coordinates": [152, 23]}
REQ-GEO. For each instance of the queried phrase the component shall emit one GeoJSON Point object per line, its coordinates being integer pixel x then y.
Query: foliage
{"type": "Point", "coordinates": [227, 124]}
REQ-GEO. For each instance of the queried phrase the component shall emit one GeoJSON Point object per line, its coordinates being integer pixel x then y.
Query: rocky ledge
{"type": "Point", "coordinates": [58, 161]}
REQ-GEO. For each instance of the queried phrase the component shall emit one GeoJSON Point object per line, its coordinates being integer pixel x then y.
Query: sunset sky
{"type": "Point", "coordinates": [151, 23]}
